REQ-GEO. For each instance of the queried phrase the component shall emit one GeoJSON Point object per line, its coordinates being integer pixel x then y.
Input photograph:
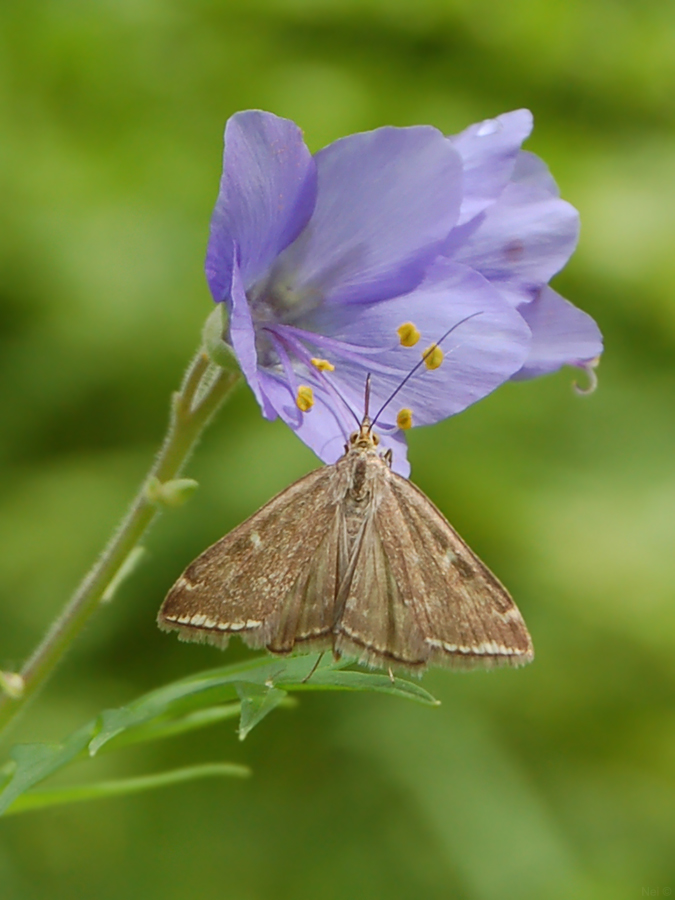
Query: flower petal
{"type": "Point", "coordinates": [325, 428]}
{"type": "Point", "coordinates": [478, 356]}
{"type": "Point", "coordinates": [242, 338]}
{"type": "Point", "coordinates": [482, 353]}
{"type": "Point", "coordinates": [524, 238]}
{"type": "Point", "coordinates": [267, 194]}
{"type": "Point", "coordinates": [532, 171]}
{"type": "Point", "coordinates": [489, 150]}
{"type": "Point", "coordinates": [561, 335]}
{"type": "Point", "coordinates": [386, 199]}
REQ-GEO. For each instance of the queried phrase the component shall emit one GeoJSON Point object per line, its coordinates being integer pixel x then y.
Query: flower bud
{"type": "Point", "coordinates": [172, 493]}
{"type": "Point", "coordinates": [12, 684]}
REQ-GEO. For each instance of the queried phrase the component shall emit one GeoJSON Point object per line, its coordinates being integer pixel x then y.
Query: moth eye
{"type": "Point", "coordinates": [376, 438]}
{"type": "Point", "coordinates": [353, 437]}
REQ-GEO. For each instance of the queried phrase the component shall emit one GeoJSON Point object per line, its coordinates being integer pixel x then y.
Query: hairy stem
{"type": "Point", "coordinates": [204, 388]}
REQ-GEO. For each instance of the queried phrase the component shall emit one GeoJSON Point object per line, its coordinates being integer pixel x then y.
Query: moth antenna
{"type": "Point", "coordinates": [356, 418]}
{"type": "Point", "coordinates": [418, 366]}
{"type": "Point", "coordinates": [344, 400]}
{"type": "Point", "coordinates": [366, 403]}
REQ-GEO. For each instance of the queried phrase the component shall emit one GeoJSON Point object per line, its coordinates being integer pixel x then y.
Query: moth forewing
{"type": "Point", "coordinates": [306, 613]}
{"type": "Point", "coordinates": [468, 617]}
{"type": "Point", "coordinates": [239, 584]}
{"type": "Point", "coordinates": [418, 594]}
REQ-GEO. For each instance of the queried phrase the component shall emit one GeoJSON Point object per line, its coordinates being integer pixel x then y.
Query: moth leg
{"type": "Point", "coordinates": [314, 668]}
{"type": "Point", "coordinates": [391, 676]}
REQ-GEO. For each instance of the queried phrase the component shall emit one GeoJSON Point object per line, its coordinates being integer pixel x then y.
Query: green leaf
{"type": "Point", "coordinates": [222, 685]}
{"type": "Point", "coordinates": [168, 727]}
{"type": "Point", "coordinates": [254, 688]}
{"type": "Point", "coordinates": [349, 680]}
{"type": "Point", "coordinates": [34, 762]}
{"type": "Point", "coordinates": [100, 789]}
{"type": "Point", "coordinates": [256, 702]}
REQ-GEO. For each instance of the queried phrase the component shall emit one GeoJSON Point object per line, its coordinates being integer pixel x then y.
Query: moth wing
{"type": "Point", "coordinates": [464, 615]}
{"type": "Point", "coordinates": [257, 580]}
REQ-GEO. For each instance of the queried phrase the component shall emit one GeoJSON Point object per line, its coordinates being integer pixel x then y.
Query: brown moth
{"type": "Point", "coordinates": [355, 559]}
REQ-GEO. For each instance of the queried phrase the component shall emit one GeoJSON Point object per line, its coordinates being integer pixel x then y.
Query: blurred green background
{"type": "Point", "coordinates": [553, 781]}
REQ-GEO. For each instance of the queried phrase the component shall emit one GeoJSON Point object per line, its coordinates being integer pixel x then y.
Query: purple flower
{"type": "Point", "coordinates": [516, 231]}
{"type": "Point", "coordinates": [360, 258]}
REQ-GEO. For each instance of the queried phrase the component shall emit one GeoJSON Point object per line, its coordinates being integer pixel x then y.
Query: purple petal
{"type": "Point", "coordinates": [267, 194]}
{"type": "Point", "coordinates": [489, 150]}
{"type": "Point", "coordinates": [530, 170]}
{"type": "Point", "coordinates": [242, 338]}
{"type": "Point", "coordinates": [523, 239]}
{"type": "Point", "coordinates": [386, 199]}
{"type": "Point", "coordinates": [479, 356]}
{"type": "Point", "coordinates": [325, 428]}
{"type": "Point", "coordinates": [561, 335]}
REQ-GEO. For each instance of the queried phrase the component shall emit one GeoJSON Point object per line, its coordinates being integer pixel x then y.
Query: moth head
{"type": "Point", "coordinates": [365, 436]}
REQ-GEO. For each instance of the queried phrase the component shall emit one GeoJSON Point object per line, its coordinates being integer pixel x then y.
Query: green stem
{"type": "Point", "coordinates": [204, 388]}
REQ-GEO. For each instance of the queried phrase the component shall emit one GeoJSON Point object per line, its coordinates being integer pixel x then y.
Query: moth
{"type": "Point", "coordinates": [355, 559]}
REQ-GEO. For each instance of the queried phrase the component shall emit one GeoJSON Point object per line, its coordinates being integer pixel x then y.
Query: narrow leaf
{"type": "Point", "coordinates": [163, 728]}
{"type": "Point", "coordinates": [100, 789]}
{"type": "Point", "coordinates": [197, 691]}
{"type": "Point", "coordinates": [222, 685]}
{"type": "Point", "coordinates": [349, 680]}
{"type": "Point", "coordinates": [259, 684]}
{"type": "Point", "coordinates": [256, 703]}
{"type": "Point", "coordinates": [34, 762]}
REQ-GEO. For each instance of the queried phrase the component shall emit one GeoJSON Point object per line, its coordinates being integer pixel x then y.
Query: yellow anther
{"type": "Point", "coordinates": [305, 398]}
{"type": "Point", "coordinates": [404, 419]}
{"type": "Point", "coordinates": [322, 365]}
{"type": "Point", "coordinates": [408, 334]}
{"type": "Point", "coordinates": [433, 356]}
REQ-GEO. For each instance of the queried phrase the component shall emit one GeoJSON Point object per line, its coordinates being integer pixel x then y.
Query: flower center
{"type": "Point", "coordinates": [276, 301]}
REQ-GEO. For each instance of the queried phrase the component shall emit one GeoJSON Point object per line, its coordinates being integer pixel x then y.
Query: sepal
{"type": "Point", "coordinates": [213, 337]}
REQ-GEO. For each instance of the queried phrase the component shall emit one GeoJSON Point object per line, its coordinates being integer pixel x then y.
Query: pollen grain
{"type": "Point", "coordinates": [305, 398]}
{"type": "Point", "coordinates": [433, 356]}
{"type": "Point", "coordinates": [322, 365]}
{"type": "Point", "coordinates": [404, 419]}
{"type": "Point", "coordinates": [408, 334]}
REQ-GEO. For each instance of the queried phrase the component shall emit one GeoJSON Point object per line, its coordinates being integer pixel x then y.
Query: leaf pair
{"type": "Point", "coordinates": [251, 690]}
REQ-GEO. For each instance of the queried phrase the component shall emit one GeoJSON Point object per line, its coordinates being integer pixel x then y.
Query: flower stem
{"type": "Point", "coordinates": [205, 386]}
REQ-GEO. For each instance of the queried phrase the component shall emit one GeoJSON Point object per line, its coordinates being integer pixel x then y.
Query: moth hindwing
{"type": "Point", "coordinates": [355, 559]}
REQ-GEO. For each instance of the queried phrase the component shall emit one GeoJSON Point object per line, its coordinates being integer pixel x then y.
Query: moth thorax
{"type": "Point", "coordinates": [358, 487]}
